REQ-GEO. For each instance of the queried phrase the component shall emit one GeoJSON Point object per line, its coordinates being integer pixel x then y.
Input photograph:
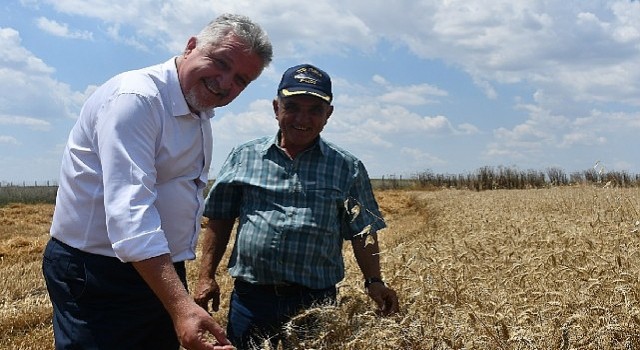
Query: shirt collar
{"type": "Point", "coordinates": [320, 144]}
{"type": "Point", "coordinates": [178, 102]}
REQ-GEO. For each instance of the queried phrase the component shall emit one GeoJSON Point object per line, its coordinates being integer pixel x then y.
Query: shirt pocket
{"type": "Point", "coordinates": [326, 205]}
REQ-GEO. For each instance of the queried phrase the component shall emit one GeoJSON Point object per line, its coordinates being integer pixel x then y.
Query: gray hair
{"type": "Point", "coordinates": [244, 28]}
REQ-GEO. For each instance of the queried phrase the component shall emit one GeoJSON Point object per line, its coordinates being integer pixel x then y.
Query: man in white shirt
{"type": "Point", "coordinates": [130, 198]}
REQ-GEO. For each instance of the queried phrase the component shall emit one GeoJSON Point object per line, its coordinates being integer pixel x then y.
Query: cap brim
{"type": "Point", "coordinates": [288, 92]}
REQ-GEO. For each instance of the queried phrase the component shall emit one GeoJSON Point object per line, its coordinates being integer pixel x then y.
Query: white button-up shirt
{"type": "Point", "coordinates": [134, 169]}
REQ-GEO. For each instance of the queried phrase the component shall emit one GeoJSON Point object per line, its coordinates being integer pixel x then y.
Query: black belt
{"type": "Point", "coordinates": [274, 289]}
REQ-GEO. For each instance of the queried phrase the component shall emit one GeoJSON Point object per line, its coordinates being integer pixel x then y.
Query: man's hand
{"type": "Point", "coordinates": [194, 326]}
{"type": "Point", "coordinates": [385, 298]}
{"type": "Point", "coordinates": [207, 290]}
{"type": "Point", "coordinates": [197, 330]}
{"type": "Point", "coordinates": [214, 243]}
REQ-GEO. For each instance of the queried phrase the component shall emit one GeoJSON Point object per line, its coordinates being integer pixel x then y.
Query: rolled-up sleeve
{"type": "Point", "coordinates": [127, 134]}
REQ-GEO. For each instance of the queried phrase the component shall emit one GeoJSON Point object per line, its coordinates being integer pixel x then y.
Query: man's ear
{"type": "Point", "coordinates": [191, 45]}
{"type": "Point", "coordinates": [276, 106]}
{"type": "Point", "coordinates": [330, 111]}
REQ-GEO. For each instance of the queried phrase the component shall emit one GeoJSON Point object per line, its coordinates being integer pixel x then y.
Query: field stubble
{"type": "Point", "coordinates": [509, 269]}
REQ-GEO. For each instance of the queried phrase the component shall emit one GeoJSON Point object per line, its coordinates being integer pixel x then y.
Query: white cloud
{"type": "Point", "coordinates": [62, 29]}
{"type": "Point", "coordinates": [15, 57]}
{"type": "Point", "coordinates": [545, 136]}
{"type": "Point", "coordinates": [33, 123]}
{"type": "Point", "coordinates": [321, 28]}
{"type": "Point", "coordinates": [257, 121]}
{"type": "Point", "coordinates": [8, 140]}
{"type": "Point", "coordinates": [576, 49]}
{"type": "Point", "coordinates": [499, 151]}
{"type": "Point", "coordinates": [468, 129]}
{"type": "Point", "coordinates": [581, 138]}
{"type": "Point", "coordinates": [580, 50]}
{"type": "Point", "coordinates": [418, 155]}
{"type": "Point", "coordinates": [25, 78]}
{"type": "Point", "coordinates": [572, 67]}
{"type": "Point", "coordinates": [398, 119]}
{"type": "Point", "coordinates": [385, 108]}
{"type": "Point", "coordinates": [114, 32]}
{"type": "Point", "coordinates": [21, 88]}
{"type": "Point", "coordinates": [412, 95]}
{"type": "Point", "coordinates": [486, 87]}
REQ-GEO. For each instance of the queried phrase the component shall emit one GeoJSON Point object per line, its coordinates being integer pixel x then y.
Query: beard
{"type": "Point", "coordinates": [195, 103]}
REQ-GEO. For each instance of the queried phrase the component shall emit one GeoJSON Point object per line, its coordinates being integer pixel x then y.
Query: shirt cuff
{"type": "Point", "coordinates": [141, 247]}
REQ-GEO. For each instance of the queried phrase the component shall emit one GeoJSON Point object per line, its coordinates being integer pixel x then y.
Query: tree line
{"type": "Point", "coordinates": [497, 178]}
{"type": "Point", "coordinates": [482, 179]}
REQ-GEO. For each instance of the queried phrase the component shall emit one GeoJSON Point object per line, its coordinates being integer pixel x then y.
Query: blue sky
{"type": "Point", "coordinates": [443, 86]}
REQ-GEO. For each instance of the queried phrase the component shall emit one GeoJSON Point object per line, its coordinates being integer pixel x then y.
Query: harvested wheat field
{"type": "Point", "coordinates": [511, 269]}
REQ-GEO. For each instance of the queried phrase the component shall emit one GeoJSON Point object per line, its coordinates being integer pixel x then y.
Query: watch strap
{"type": "Point", "coordinates": [368, 281]}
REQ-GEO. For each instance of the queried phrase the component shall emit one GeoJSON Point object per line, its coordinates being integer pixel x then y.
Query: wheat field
{"type": "Point", "coordinates": [508, 269]}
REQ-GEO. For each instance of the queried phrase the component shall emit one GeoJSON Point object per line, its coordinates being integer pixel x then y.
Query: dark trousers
{"type": "Point", "coordinates": [101, 303]}
{"type": "Point", "coordinates": [258, 312]}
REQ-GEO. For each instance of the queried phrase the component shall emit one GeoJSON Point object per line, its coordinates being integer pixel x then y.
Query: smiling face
{"type": "Point", "coordinates": [301, 119]}
{"type": "Point", "coordinates": [212, 76]}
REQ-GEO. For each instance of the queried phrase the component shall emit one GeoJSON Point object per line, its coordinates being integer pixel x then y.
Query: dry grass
{"type": "Point", "coordinates": [517, 269]}
{"type": "Point", "coordinates": [537, 269]}
{"type": "Point", "coordinates": [25, 311]}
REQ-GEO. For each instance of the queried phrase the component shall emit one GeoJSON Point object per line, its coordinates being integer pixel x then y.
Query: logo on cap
{"type": "Point", "coordinates": [306, 79]}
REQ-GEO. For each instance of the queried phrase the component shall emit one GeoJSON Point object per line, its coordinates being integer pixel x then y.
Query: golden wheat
{"type": "Point", "coordinates": [510, 269]}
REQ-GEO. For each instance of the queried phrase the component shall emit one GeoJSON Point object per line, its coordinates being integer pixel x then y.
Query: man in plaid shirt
{"type": "Point", "coordinates": [297, 198]}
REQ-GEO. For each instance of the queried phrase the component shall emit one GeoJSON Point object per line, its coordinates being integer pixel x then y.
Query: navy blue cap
{"type": "Point", "coordinates": [306, 79]}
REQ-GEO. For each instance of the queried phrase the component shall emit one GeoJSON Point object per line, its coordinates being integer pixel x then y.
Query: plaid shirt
{"type": "Point", "coordinates": [293, 214]}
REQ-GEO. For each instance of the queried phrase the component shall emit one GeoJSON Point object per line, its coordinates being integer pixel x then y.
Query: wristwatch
{"type": "Point", "coordinates": [370, 280]}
